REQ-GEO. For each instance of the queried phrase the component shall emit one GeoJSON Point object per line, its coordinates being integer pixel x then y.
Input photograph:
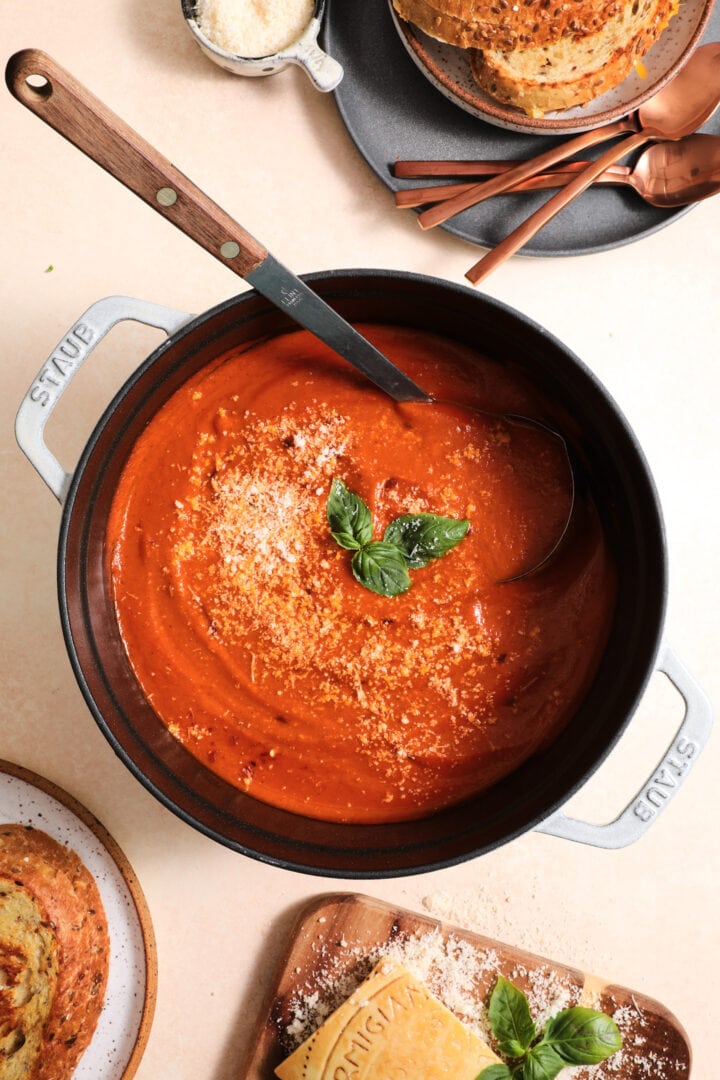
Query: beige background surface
{"type": "Point", "coordinates": [275, 154]}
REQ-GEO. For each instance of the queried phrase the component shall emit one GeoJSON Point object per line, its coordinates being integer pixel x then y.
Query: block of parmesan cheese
{"type": "Point", "coordinates": [392, 1026]}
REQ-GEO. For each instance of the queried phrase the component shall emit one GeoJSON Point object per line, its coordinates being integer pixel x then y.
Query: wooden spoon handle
{"type": "Point", "coordinates": [436, 215]}
{"type": "Point", "coordinates": [57, 98]}
{"type": "Point", "coordinates": [548, 210]}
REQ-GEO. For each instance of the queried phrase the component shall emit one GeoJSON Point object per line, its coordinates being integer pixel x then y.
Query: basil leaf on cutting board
{"type": "Point", "coordinates": [582, 1036]}
{"type": "Point", "coordinates": [496, 1072]}
{"type": "Point", "coordinates": [542, 1063]}
{"type": "Point", "coordinates": [510, 1018]}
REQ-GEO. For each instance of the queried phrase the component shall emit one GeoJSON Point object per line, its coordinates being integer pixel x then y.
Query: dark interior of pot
{"type": "Point", "coordinates": [622, 489]}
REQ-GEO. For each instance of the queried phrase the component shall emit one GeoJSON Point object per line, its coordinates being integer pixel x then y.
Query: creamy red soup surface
{"type": "Point", "coordinates": [260, 651]}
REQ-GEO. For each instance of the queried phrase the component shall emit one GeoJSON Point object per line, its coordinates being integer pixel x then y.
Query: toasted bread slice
{"type": "Point", "coordinates": [29, 961]}
{"type": "Point", "coordinates": [572, 71]}
{"type": "Point", "coordinates": [54, 962]}
{"type": "Point", "coordinates": [505, 24]}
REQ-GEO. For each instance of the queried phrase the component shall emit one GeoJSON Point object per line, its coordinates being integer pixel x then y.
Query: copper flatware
{"type": "Point", "coordinates": [414, 197]}
{"type": "Point", "coordinates": [680, 108]}
{"type": "Point", "coordinates": [693, 91]}
{"type": "Point", "coordinates": [666, 174]}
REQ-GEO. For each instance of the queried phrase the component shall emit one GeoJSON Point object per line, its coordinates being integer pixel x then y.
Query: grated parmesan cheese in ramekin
{"type": "Point", "coordinates": [253, 28]}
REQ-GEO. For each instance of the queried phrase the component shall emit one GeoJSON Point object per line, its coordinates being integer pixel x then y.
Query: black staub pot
{"type": "Point", "coordinates": [531, 797]}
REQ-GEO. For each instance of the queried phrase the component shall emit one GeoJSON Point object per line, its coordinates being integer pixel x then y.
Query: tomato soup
{"type": "Point", "coordinates": [262, 653]}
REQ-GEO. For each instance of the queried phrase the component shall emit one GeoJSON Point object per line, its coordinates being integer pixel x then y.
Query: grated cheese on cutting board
{"type": "Point", "coordinates": [453, 969]}
{"type": "Point", "coordinates": [253, 28]}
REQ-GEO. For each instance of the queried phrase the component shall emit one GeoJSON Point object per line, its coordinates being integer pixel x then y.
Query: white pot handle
{"type": "Point", "coordinates": [66, 358]}
{"type": "Point", "coordinates": [663, 783]}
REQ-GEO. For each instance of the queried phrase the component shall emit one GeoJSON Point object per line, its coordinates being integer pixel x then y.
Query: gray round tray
{"type": "Point", "coordinates": [392, 111]}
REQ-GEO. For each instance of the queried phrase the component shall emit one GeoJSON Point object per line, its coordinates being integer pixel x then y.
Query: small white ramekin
{"type": "Point", "coordinates": [324, 72]}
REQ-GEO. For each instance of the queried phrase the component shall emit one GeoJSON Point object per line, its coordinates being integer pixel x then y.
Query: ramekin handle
{"type": "Point", "coordinates": [67, 357]}
{"type": "Point", "coordinates": [324, 72]}
{"type": "Point", "coordinates": [665, 780]}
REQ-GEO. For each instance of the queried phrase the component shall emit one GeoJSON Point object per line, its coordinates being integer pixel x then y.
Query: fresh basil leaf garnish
{"type": "Point", "coordinates": [496, 1072]}
{"type": "Point", "coordinates": [381, 568]}
{"type": "Point", "coordinates": [349, 518]}
{"type": "Point", "coordinates": [542, 1063]}
{"type": "Point", "coordinates": [422, 537]}
{"type": "Point", "coordinates": [582, 1036]}
{"type": "Point", "coordinates": [510, 1018]}
{"type": "Point", "coordinates": [410, 542]}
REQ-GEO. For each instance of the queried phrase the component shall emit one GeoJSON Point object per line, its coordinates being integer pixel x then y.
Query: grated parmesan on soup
{"type": "Point", "coordinates": [253, 27]}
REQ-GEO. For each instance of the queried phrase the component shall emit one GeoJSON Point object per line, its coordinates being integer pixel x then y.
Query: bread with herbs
{"type": "Point", "coordinates": [54, 953]}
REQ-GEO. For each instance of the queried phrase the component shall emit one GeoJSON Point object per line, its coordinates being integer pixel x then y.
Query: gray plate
{"type": "Point", "coordinates": [391, 111]}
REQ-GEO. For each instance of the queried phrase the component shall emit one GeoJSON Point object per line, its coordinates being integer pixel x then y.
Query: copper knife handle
{"type": "Point", "coordinates": [413, 197]}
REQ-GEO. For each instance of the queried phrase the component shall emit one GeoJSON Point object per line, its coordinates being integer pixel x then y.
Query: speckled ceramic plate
{"type": "Point", "coordinates": [392, 111]}
{"type": "Point", "coordinates": [124, 1025]}
{"type": "Point", "coordinates": [448, 69]}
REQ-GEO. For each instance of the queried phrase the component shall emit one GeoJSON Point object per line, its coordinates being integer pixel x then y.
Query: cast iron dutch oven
{"type": "Point", "coordinates": [616, 476]}
{"type": "Point", "coordinates": [613, 471]}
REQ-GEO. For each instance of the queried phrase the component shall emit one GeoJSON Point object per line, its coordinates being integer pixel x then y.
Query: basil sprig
{"type": "Point", "coordinates": [409, 542]}
{"type": "Point", "coordinates": [575, 1036]}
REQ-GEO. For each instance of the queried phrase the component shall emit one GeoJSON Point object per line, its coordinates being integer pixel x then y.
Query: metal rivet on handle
{"type": "Point", "coordinates": [166, 196]}
{"type": "Point", "coordinates": [230, 249]}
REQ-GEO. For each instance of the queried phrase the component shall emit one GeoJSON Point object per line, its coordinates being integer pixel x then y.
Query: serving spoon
{"type": "Point", "coordinates": [693, 95]}
{"type": "Point", "coordinates": [667, 174]}
{"type": "Point", "coordinates": [54, 95]}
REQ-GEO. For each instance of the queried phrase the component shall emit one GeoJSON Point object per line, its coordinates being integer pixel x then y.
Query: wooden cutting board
{"type": "Point", "coordinates": [337, 939]}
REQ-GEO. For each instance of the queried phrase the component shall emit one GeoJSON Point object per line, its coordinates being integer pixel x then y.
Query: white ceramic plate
{"type": "Point", "coordinates": [448, 69]}
{"type": "Point", "coordinates": [124, 1025]}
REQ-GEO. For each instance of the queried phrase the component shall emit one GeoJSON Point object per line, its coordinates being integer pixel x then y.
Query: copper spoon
{"type": "Point", "coordinates": [667, 174]}
{"type": "Point", "coordinates": [691, 96]}
{"type": "Point", "coordinates": [681, 107]}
